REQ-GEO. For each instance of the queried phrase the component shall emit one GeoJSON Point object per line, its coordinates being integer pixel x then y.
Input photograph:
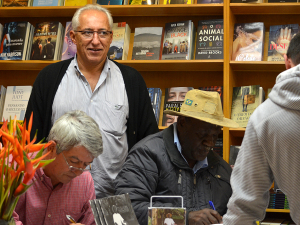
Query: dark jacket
{"type": "Point", "coordinates": [141, 121]}
{"type": "Point", "coordinates": [154, 166]}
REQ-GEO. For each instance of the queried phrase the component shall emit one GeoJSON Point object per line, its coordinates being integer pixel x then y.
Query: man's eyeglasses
{"type": "Point", "coordinates": [76, 169]}
{"type": "Point", "coordinates": [88, 34]}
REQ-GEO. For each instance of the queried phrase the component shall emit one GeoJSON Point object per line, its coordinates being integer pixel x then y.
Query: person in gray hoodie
{"type": "Point", "coordinates": [270, 149]}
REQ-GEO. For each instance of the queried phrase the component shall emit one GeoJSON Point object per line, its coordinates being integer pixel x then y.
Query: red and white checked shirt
{"type": "Point", "coordinates": [43, 205]}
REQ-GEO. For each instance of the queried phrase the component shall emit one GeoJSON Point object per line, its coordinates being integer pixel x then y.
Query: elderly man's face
{"type": "Point", "coordinates": [59, 171]}
{"type": "Point", "coordinates": [196, 138]}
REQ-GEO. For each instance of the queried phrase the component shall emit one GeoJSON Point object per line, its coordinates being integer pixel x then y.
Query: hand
{"type": "Point", "coordinates": [76, 223]}
{"type": "Point", "coordinates": [204, 217]}
{"type": "Point", "coordinates": [283, 41]}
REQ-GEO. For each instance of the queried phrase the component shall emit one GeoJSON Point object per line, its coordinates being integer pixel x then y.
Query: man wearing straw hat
{"type": "Point", "coordinates": [179, 161]}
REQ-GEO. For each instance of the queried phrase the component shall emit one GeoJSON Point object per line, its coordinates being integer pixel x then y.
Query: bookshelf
{"type": "Point", "coordinates": [167, 73]}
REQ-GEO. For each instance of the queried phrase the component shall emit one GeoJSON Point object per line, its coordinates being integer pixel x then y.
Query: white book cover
{"type": "Point", "coordinates": [2, 98]}
{"type": "Point", "coordinates": [16, 101]}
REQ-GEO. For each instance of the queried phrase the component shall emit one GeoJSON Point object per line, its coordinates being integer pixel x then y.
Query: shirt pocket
{"type": "Point", "coordinates": [76, 215]}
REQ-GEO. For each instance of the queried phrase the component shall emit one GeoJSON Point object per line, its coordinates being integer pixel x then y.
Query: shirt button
{"type": "Point", "coordinates": [49, 215]}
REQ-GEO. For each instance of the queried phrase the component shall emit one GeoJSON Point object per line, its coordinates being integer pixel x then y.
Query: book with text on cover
{"type": "Point", "coordinates": [16, 101]}
{"type": "Point", "coordinates": [209, 44]}
{"type": "Point", "coordinates": [147, 43]}
{"type": "Point", "coordinates": [245, 100]}
{"type": "Point", "coordinates": [16, 3]}
{"type": "Point", "coordinates": [279, 40]}
{"type": "Point", "coordinates": [248, 41]}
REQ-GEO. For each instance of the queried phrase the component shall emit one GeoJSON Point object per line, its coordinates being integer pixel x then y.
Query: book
{"type": "Point", "coordinates": [218, 148]}
{"type": "Point", "coordinates": [1, 28]}
{"type": "Point", "coordinates": [167, 2]}
{"type": "Point", "coordinates": [48, 3]}
{"type": "Point", "coordinates": [245, 100]}
{"type": "Point", "coordinates": [234, 151]}
{"type": "Point", "coordinates": [77, 2]}
{"type": "Point", "coordinates": [147, 43]}
{"type": "Point", "coordinates": [166, 215]}
{"type": "Point", "coordinates": [248, 41]}
{"type": "Point", "coordinates": [279, 40]}
{"type": "Point", "coordinates": [178, 40]}
{"type": "Point", "coordinates": [155, 96]}
{"type": "Point", "coordinates": [119, 46]}
{"type": "Point", "coordinates": [15, 41]}
{"type": "Point", "coordinates": [143, 2]}
{"type": "Point", "coordinates": [69, 48]}
{"type": "Point", "coordinates": [16, 101]}
{"type": "Point", "coordinates": [117, 209]}
{"type": "Point", "coordinates": [209, 44]}
{"type": "Point", "coordinates": [49, 35]}
{"type": "Point", "coordinates": [95, 212]}
{"type": "Point", "coordinates": [16, 3]}
{"type": "Point", "coordinates": [2, 98]}
{"type": "Point", "coordinates": [100, 213]}
{"type": "Point", "coordinates": [218, 89]}
{"type": "Point", "coordinates": [110, 2]}
{"type": "Point", "coordinates": [271, 1]}
{"type": "Point", "coordinates": [209, 1]}
{"type": "Point", "coordinates": [174, 97]}
{"type": "Point", "coordinates": [246, 1]}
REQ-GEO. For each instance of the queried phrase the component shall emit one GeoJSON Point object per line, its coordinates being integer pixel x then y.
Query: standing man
{"type": "Point", "coordinates": [270, 149]}
{"type": "Point", "coordinates": [114, 95]}
{"type": "Point", "coordinates": [179, 161]}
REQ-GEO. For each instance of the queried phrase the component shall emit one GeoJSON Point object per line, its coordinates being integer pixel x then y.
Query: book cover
{"type": "Point", "coordinates": [209, 43]}
{"type": "Point", "coordinates": [279, 40]}
{"type": "Point", "coordinates": [69, 48]}
{"type": "Point", "coordinates": [147, 43]}
{"type": "Point", "coordinates": [47, 3]}
{"type": "Point", "coordinates": [155, 96]}
{"type": "Point", "coordinates": [143, 2]}
{"type": "Point", "coordinates": [119, 47]}
{"type": "Point", "coordinates": [16, 101]}
{"type": "Point", "coordinates": [14, 3]}
{"type": "Point", "coordinates": [178, 37]}
{"type": "Point", "coordinates": [15, 39]}
{"type": "Point", "coordinates": [48, 35]}
{"type": "Point", "coordinates": [95, 212]}
{"type": "Point", "coordinates": [100, 213]}
{"type": "Point", "coordinates": [1, 31]}
{"type": "Point", "coordinates": [218, 89]}
{"type": "Point", "coordinates": [245, 100]}
{"type": "Point", "coordinates": [209, 1]}
{"type": "Point", "coordinates": [75, 2]}
{"type": "Point", "coordinates": [167, 2]}
{"type": "Point", "coordinates": [118, 210]}
{"type": "Point", "coordinates": [246, 1]}
{"type": "Point", "coordinates": [174, 97]}
{"type": "Point", "coordinates": [2, 99]}
{"type": "Point", "coordinates": [110, 2]}
{"type": "Point", "coordinates": [166, 215]}
{"type": "Point", "coordinates": [248, 41]}
{"type": "Point", "coordinates": [218, 148]}
{"type": "Point", "coordinates": [234, 150]}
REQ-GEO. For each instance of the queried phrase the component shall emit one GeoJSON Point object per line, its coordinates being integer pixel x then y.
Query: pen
{"type": "Point", "coordinates": [212, 205]}
{"type": "Point", "coordinates": [70, 218]}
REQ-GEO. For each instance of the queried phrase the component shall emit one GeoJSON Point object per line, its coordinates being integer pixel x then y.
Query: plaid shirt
{"type": "Point", "coordinates": [43, 204]}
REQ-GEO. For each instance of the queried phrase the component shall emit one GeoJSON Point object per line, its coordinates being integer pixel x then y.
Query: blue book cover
{"type": "Point", "coordinates": [155, 96]}
{"type": "Point", "coordinates": [109, 2]}
{"type": "Point", "coordinates": [45, 3]}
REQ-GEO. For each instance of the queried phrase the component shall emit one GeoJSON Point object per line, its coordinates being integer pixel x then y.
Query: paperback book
{"type": "Point", "coordinates": [155, 96]}
{"type": "Point", "coordinates": [48, 37]}
{"type": "Point", "coordinates": [110, 2]}
{"type": "Point", "coordinates": [174, 97]}
{"type": "Point", "coordinates": [78, 2]}
{"type": "Point", "coordinates": [248, 41]}
{"type": "Point", "coordinates": [178, 40]}
{"type": "Point", "coordinates": [218, 148]}
{"type": "Point", "coordinates": [69, 48]}
{"type": "Point", "coordinates": [48, 2]}
{"type": "Point", "coordinates": [16, 101]}
{"type": "Point", "coordinates": [273, 1]}
{"type": "Point", "coordinates": [147, 43]}
{"type": "Point", "coordinates": [16, 3]}
{"type": "Point", "coordinates": [143, 2]}
{"type": "Point", "coordinates": [279, 40]}
{"type": "Point", "coordinates": [166, 215]}
{"type": "Point", "coordinates": [209, 44]}
{"type": "Point", "coordinates": [15, 41]}
{"type": "Point", "coordinates": [119, 47]}
{"type": "Point", "coordinates": [246, 1]}
{"type": "Point", "coordinates": [245, 100]}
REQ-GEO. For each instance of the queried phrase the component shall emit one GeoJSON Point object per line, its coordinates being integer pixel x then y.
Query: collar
{"type": "Point", "coordinates": [199, 164]}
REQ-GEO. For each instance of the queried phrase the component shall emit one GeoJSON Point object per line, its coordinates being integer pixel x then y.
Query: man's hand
{"type": "Point", "coordinates": [204, 217]}
{"type": "Point", "coordinates": [76, 224]}
{"type": "Point", "coordinates": [283, 41]}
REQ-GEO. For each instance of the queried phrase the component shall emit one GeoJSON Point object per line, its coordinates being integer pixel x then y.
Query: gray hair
{"type": "Point", "coordinates": [75, 19]}
{"type": "Point", "coordinates": [74, 129]}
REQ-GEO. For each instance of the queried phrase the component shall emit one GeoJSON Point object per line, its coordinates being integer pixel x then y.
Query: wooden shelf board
{"type": "Point", "coordinates": [278, 210]}
{"type": "Point", "coordinates": [268, 66]}
{"type": "Point", "coordinates": [140, 65]}
{"type": "Point", "coordinates": [117, 10]}
{"type": "Point", "coordinates": [237, 132]}
{"type": "Point", "coordinates": [264, 8]}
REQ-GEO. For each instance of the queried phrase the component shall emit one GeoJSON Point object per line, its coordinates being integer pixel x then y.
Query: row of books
{"type": "Point", "coordinates": [176, 41]}
{"type": "Point", "coordinates": [16, 3]}
{"type": "Point", "coordinates": [278, 200]}
{"type": "Point", "coordinates": [13, 101]}
{"type": "Point", "coordinates": [248, 42]}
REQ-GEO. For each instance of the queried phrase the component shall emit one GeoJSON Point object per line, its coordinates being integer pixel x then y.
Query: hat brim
{"type": "Point", "coordinates": [224, 122]}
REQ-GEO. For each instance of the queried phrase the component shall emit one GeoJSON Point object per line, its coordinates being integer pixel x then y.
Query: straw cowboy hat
{"type": "Point", "coordinates": [205, 106]}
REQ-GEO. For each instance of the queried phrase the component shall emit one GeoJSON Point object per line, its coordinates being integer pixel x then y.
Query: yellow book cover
{"type": "Point", "coordinates": [167, 2]}
{"type": "Point", "coordinates": [76, 2]}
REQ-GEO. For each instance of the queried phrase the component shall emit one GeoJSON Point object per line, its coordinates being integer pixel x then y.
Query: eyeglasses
{"type": "Point", "coordinates": [89, 34]}
{"type": "Point", "coordinates": [76, 169]}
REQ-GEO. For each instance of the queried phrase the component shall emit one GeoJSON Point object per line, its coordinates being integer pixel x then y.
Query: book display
{"type": "Point", "coordinates": [174, 73]}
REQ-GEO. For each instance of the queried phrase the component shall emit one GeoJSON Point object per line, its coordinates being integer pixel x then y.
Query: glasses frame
{"type": "Point", "coordinates": [93, 31]}
{"type": "Point", "coordinates": [73, 168]}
